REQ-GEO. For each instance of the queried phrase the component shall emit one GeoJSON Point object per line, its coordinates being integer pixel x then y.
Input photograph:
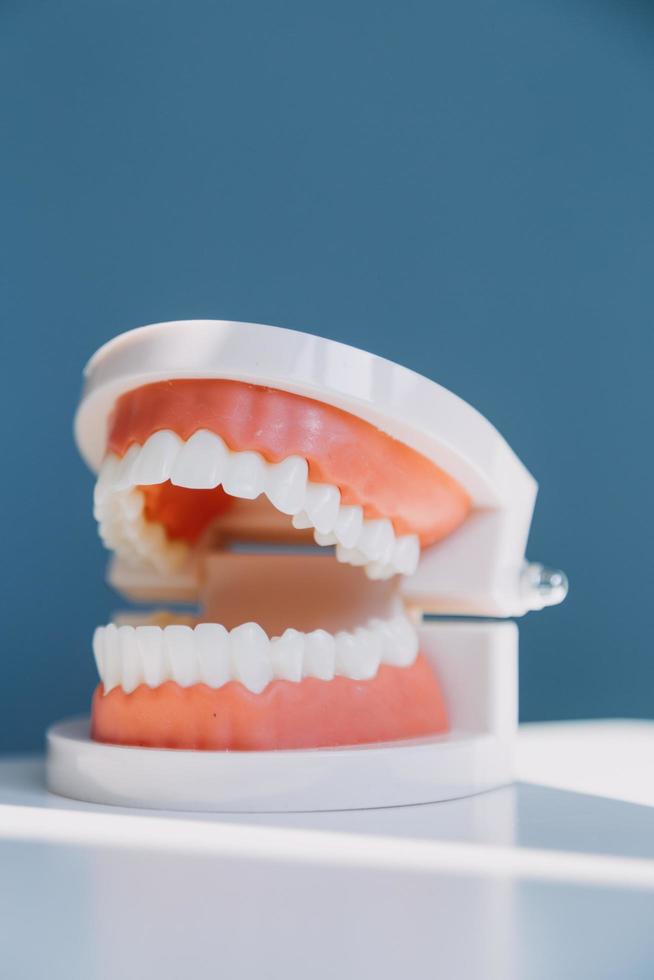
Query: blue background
{"type": "Point", "coordinates": [465, 187]}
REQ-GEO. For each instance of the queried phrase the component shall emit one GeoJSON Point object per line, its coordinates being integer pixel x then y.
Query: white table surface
{"type": "Point", "coordinates": [550, 878]}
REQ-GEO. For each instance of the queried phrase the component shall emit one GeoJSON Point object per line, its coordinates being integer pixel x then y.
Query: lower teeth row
{"type": "Point", "coordinates": [128, 656]}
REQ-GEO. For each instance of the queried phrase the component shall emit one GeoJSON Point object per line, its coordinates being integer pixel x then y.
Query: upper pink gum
{"type": "Point", "coordinates": [384, 476]}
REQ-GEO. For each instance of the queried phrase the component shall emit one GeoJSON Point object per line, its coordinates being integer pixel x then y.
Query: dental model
{"type": "Point", "coordinates": [311, 502]}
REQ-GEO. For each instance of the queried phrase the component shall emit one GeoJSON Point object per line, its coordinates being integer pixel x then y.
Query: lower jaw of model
{"type": "Point", "coordinates": [303, 640]}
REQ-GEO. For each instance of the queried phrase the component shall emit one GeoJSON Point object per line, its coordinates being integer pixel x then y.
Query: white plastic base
{"type": "Point", "coordinates": [477, 667]}
{"type": "Point", "coordinates": [389, 774]}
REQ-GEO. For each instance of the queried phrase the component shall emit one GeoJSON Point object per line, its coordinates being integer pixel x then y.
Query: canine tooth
{"type": "Point", "coordinates": [111, 661]}
{"type": "Point", "coordinates": [212, 647]}
{"type": "Point", "coordinates": [406, 554]}
{"type": "Point", "coordinates": [352, 657]}
{"type": "Point", "coordinates": [286, 484]}
{"type": "Point", "coordinates": [179, 651]}
{"type": "Point", "coordinates": [376, 539]}
{"type": "Point", "coordinates": [201, 462]}
{"type": "Point", "coordinates": [156, 458]}
{"type": "Point", "coordinates": [130, 661]}
{"type": "Point", "coordinates": [245, 475]}
{"type": "Point", "coordinates": [324, 539]}
{"type": "Point", "coordinates": [250, 653]}
{"type": "Point", "coordinates": [301, 522]}
{"type": "Point", "coordinates": [322, 503]}
{"type": "Point", "coordinates": [123, 478]}
{"type": "Point", "coordinates": [350, 556]}
{"type": "Point", "coordinates": [98, 650]}
{"type": "Point", "coordinates": [319, 655]}
{"type": "Point", "coordinates": [150, 644]}
{"type": "Point", "coordinates": [286, 653]}
{"type": "Point", "coordinates": [348, 525]}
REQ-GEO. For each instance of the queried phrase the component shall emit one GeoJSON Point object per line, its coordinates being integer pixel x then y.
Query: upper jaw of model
{"type": "Point", "coordinates": [204, 462]}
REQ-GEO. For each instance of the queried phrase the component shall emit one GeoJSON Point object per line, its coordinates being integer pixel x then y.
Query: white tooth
{"type": "Point", "coordinates": [319, 654]}
{"type": "Point", "coordinates": [156, 458]}
{"type": "Point", "coordinates": [369, 652]}
{"type": "Point", "coordinates": [350, 556]}
{"type": "Point", "coordinates": [201, 462]}
{"type": "Point", "coordinates": [245, 475]}
{"type": "Point", "coordinates": [150, 643]}
{"type": "Point", "coordinates": [322, 503]}
{"type": "Point", "coordinates": [399, 641]}
{"type": "Point", "coordinates": [286, 653]}
{"type": "Point", "coordinates": [376, 539]}
{"type": "Point", "coordinates": [106, 478]}
{"type": "Point", "coordinates": [179, 650]}
{"type": "Point", "coordinates": [131, 670]}
{"type": "Point", "coordinates": [348, 525]}
{"type": "Point", "coordinates": [98, 650]}
{"type": "Point", "coordinates": [347, 655]}
{"type": "Point", "coordinates": [324, 540]}
{"type": "Point", "coordinates": [212, 646]}
{"type": "Point", "coordinates": [407, 640]}
{"type": "Point", "coordinates": [301, 522]}
{"type": "Point", "coordinates": [111, 676]}
{"type": "Point", "coordinates": [406, 554]}
{"type": "Point", "coordinates": [378, 571]}
{"type": "Point", "coordinates": [132, 505]}
{"type": "Point", "coordinates": [250, 650]}
{"type": "Point", "coordinates": [123, 478]}
{"type": "Point", "coordinates": [286, 484]}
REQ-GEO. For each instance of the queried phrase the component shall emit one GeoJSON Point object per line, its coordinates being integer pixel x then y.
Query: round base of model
{"type": "Point", "coordinates": [424, 770]}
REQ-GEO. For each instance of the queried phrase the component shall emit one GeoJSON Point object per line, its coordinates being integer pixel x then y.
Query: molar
{"type": "Point", "coordinates": [319, 655]}
{"type": "Point", "coordinates": [406, 554]}
{"type": "Point", "coordinates": [348, 661]}
{"type": "Point", "coordinates": [376, 540]}
{"type": "Point", "coordinates": [399, 641]}
{"type": "Point", "coordinates": [301, 521]}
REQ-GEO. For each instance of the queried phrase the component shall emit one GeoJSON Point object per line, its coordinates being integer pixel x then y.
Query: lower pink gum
{"type": "Point", "coordinates": [399, 702]}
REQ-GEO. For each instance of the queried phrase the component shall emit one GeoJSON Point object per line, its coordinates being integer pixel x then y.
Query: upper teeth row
{"type": "Point", "coordinates": [204, 462]}
{"type": "Point", "coordinates": [127, 656]}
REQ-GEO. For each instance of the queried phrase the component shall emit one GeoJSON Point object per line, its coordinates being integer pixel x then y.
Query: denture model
{"type": "Point", "coordinates": [294, 508]}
